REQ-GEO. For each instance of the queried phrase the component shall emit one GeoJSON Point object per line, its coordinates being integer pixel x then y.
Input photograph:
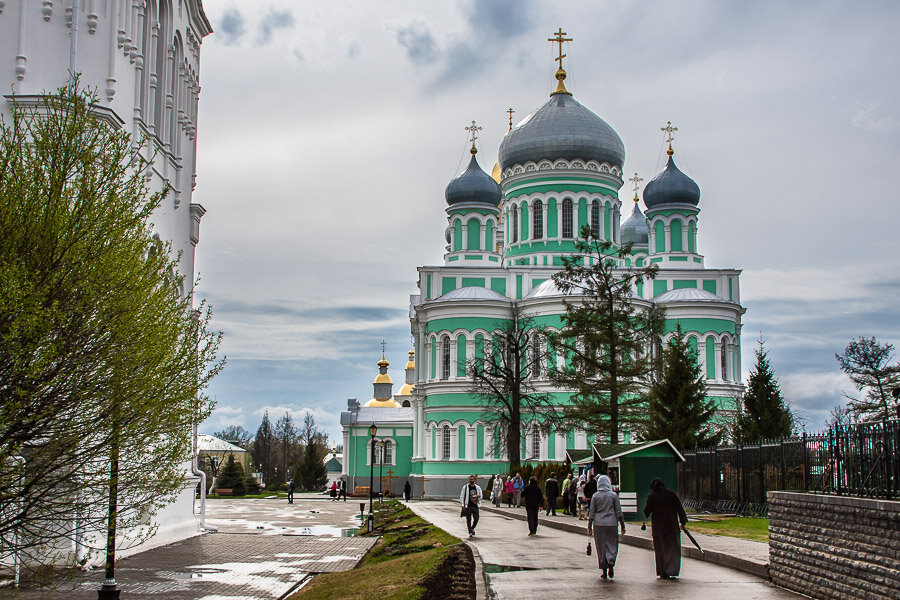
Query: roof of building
{"type": "Point", "coordinates": [471, 293]}
{"type": "Point", "coordinates": [210, 443]}
{"type": "Point", "coordinates": [608, 452]}
{"type": "Point", "coordinates": [473, 185]}
{"type": "Point", "coordinates": [634, 229]}
{"type": "Point", "coordinates": [562, 128]}
{"type": "Point", "coordinates": [548, 289]}
{"type": "Point", "coordinates": [671, 186]}
{"type": "Point", "coordinates": [580, 456]}
{"type": "Point", "coordinates": [687, 295]}
{"type": "Point", "coordinates": [367, 415]}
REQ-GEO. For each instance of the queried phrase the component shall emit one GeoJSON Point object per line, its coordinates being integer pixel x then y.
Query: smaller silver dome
{"type": "Point", "coordinates": [473, 185]}
{"type": "Point", "coordinates": [634, 229]}
{"type": "Point", "coordinates": [687, 295]}
{"type": "Point", "coordinates": [671, 186]}
{"type": "Point", "coordinates": [471, 293]}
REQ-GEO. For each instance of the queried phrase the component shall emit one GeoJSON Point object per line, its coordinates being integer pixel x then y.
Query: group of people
{"type": "Point", "coordinates": [338, 490]}
{"type": "Point", "coordinates": [603, 510]}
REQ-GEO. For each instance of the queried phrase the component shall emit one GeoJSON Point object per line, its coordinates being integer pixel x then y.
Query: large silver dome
{"type": "Point", "coordinates": [562, 128]}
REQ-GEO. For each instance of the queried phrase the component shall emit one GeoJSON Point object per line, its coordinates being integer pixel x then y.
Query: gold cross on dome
{"type": "Point", "coordinates": [636, 182]}
{"type": "Point", "coordinates": [473, 130]}
{"type": "Point", "coordinates": [669, 130]}
{"type": "Point", "coordinates": [559, 39]}
{"type": "Point", "coordinates": [383, 346]}
{"type": "Point", "coordinates": [510, 111]}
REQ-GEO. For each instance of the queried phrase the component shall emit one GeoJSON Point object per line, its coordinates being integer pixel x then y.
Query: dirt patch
{"type": "Point", "coordinates": [454, 579]}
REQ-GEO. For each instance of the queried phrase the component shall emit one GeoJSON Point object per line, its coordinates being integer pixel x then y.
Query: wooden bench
{"type": "Point", "coordinates": [223, 491]}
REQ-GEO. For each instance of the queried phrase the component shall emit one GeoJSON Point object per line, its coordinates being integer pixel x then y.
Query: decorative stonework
{"type": "Point", "coordinates": [47, 9]}
{"type": "Point", "coordinates": [834, 546]}
{"type": "Point", "coordinates": [562, 165]}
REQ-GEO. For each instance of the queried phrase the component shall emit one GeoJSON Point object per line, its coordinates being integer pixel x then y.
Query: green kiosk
{"type": "Point", "coordinates": [631, 467]}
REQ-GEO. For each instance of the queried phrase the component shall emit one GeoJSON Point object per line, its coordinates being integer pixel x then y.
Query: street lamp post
{"type": "Point", "coordinates": [370, 522]}
{"type": "Point", "coordinates": [381, 472]}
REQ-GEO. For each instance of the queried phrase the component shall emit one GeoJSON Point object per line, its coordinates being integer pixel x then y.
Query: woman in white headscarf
{"type": "Point", "coordinates": [604, 512]}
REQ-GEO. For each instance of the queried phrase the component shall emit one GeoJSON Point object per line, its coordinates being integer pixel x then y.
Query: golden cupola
{"type": "Point", "coordinates": [407, 388]}
{"type": "Point", "coordinates": [383, 386]}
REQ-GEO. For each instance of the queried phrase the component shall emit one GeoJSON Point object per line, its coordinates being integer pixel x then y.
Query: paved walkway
{"type": "Point", "coordinates": [554, 561]}
{"type": "Point", "coordinates": [263, 550]}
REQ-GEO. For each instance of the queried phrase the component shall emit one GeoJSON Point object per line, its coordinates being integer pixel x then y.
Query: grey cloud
{"type": "Point", "coordinates": [304, 313]}
{"type": "Point", "coordinates": [420, 46]}
{"type": "Point", "coordinates": [274, 19]}
{"type": "Point", "coordinates": [232, 27]}
{"type": "Point", "coordinates": [353, 50]}
{"type": "Point", "coordinates": [500, 18]}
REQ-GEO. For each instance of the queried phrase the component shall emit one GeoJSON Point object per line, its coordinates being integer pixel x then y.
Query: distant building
{"type": "Point", "coordinates": [212, 453]}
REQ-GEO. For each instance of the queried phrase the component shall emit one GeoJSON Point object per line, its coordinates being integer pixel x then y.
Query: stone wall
{"type": "Point", "coordinates": [834, 546]}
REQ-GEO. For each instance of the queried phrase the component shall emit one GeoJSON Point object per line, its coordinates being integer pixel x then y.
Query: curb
{"type": "Point", "coordinates": [711, 556]}
{"type": "Point", "coordinates": [481, 580]}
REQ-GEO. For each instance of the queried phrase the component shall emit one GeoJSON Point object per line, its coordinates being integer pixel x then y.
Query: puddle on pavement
{"type": "Point", "coordinates": [326, 530]}
{"type": "Point", "coordinates": [505, 568]}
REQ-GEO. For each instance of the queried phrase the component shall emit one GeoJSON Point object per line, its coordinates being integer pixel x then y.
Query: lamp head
{"type": "Point", "coordinates": [372, 429]}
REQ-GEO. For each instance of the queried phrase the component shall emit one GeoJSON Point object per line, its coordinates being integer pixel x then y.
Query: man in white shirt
{"type": "Point", "coordinates": [470, 500]}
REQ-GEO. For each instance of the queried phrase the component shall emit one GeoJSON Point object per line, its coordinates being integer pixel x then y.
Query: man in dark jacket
{"type": "Point", "coordinates": [407, 491]}
{"type": "Point", "coordinates": [590, 488]}
{"type": "Point", "coordinates": [665, 512]}
{"type": "Point", "coordinates": [551, 486]}
{"type": "Point", "coordinates": [534, 500]}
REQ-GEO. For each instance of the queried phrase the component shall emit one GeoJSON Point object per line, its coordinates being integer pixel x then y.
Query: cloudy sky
{"type": "Point", "coordinates": [329, 130]}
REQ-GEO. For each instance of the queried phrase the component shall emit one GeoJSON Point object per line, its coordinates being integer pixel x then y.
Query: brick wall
{"type": "Point", "coordinates": [834, 546]}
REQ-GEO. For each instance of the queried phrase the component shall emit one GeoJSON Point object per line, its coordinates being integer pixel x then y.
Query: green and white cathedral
{"type": "Point", "coordinates": [559, 169]}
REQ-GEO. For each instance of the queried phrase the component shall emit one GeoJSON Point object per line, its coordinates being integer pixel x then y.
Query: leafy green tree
{"type": "Point", "coordinates": [678, 408]}
{"type": "Point", "coordinates": [311, 471]}
{"type": "Point", "coordinates": [867, 362]}
{"type": "Point", "coordinates": [503, 376]}
{"type": "Point", "coordinates": [102, 359]}
{"type": "Point", "coordinates": [765, 414]}
{"type": "Point", "coordinates": [606, 337]}
{"type": "Point", "coordinates": [232, 477]}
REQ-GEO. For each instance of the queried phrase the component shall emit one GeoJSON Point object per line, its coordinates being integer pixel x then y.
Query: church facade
{"type": "Point", "coordinates": [143, 60]}
{"type": "Point", "coordinates": [560, 169]}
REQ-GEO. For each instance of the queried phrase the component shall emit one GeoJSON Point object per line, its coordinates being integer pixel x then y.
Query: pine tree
{"type": "Point", "coordinates": [867, 363]}
{"type": "Point", "coordinates": [232, 477]}
{"type": "Point", "coordinates": [605, 336]}
{"type": "Point", "coordinates": [765, 414]}
{"type": "Point", "coordinates": [311, 470]}
{"type": "Point", "coordinates": [678, 408]}
{"type": "Point", "coordinates": [263, 450]}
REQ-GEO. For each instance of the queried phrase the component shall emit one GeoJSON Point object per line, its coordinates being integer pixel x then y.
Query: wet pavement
{"type": "Point", "coordinates": [554, 563]}
{"type": "Point", "coordinates": [263, 549]}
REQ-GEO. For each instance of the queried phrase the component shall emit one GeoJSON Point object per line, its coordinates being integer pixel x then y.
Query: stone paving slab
{"type": "Point", "coordinates": [263, 550]}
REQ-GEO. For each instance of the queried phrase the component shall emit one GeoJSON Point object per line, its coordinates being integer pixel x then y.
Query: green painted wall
{"type": "Point", "coordinates": [659, 287]}
{"type": "Point", "coordinates": [607, 221]}
{"type": "Point", "coordinates": [701, 325]}
{"type": "Point", "coordinates": [457, 235]}
{"type": "Point", "coordinates": [710, 357]}
{"type": "Point", "coordinates": [498, 284]}
{"type": "Point", "coordinates": [467, 323]}
{"type": "Point", "coordinates": [582, 216]}
{"type": "Point", "coordinates": [660, 232]}
{"type": "Point", "coordinates": [461, 355]}
{"type": "Point", "coordinates": [479, 442]}
{"type": "Point", "coordinates": [523, 232]}
{"type": "Point", "coordinates": [679, 284]}
{"type": "Point", "coordinates": [428, 286]}
{"type": "Point", "coordinates": [675, 232]}
{"type": "Point", "coordinates": [692, 236]}
{"type": "Point", "coordinates": [489, 236]}
{"type": "Point", "coordinates": [710, 286]}
{"type": "Point", "coordinates": [433, 359]}
{"type": "Point", "coordinates": [461, 442]}
{"type": "Point", "coordinates": [448, 284]}
{"type": "Point", "coordinates": [518, 286]}
{"type": "Point", "coordinates": [473, 235]}
{"type": "Point", "coordinates": [473, 282]}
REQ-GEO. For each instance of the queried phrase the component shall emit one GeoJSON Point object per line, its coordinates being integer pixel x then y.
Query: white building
{"type": "Point", "coordinates": [143, 58]}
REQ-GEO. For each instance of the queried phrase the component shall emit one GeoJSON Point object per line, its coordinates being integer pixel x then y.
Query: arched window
{"type": "Point", "coordinates": [536, 357]}
{"type": "Point", "coordinates": [405, 404]}
{"type": "Point", "coordinates": [388, 453]}
{"type": "Point", "coordinates": [445, 442]}
{"type": "Point", "coordinates": [537, 230]}
{"type": "Point", "coordinates": [724, 358]}
{"type": "Point", "coordinates": [595, 218]}
{"type": "Point", "coordinates": [514, 223]}
{"type": "Point", "coordinates": [445, 357]}
{"type": "Point", "coordinates": [158, 77]}
{"type": "Point", "coordinates": [567, 218]}
{"type": "Point", "coordinates": [535, 441]}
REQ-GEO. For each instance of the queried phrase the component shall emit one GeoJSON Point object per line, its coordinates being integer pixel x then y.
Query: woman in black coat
{"type": "Point", "coordinates": [665, 512]}
{"type": "Point", "coordinates": [534, 501]}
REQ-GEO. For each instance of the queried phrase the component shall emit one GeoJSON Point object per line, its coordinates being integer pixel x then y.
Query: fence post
{"type": "Point", "coordinates": [715, 474]}
{"type": "Point", "coordinates": [805, 464]}
{"type": "Point", "coordinates": [762, 475]}
{"type": "Point", "coordinates": [783, 474]}
{"type": "Point", "coordinates": [740, 471]}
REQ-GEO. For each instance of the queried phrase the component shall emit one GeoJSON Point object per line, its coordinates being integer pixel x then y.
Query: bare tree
{"type": "Point", "coordinates": [503, 376]}
{"type": "Point", "coordinates": [235, 434]}
{"type": "Point", "coordinates": [286, 437]}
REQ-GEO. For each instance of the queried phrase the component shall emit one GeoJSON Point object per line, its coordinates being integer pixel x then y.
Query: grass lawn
{"type": "Point", "coordinates": [409, 551]}
{"type": "Point", "coordinates": [748, 528]}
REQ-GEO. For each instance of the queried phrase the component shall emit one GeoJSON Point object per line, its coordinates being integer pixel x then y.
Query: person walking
{"type": "Point", "coordinates": [510, 491]}
{"type": "Point", "coordinates": [407, 491]}
{"type": "Point", "coordinates": [566, 493]}
{"type": "Point", "coordinates": [470, 499]}
{"type": "Point", "coordinates": [342, 489]}
{"type": "Point", "coordinates": [334, 491]}
{"type": "Point", "coordinates": [590, 487]}
{"type": "Point", "coordinates": [534, 501]}
{"type": "Point", "coordinates": [582, 500]}
{"type": "Point", "coordinates": [604, 512]}
{"type": "Point", "coordinates": [497, 490]}
{"type": "Point", "coordinates": [518, 485]}
{"type": "Point", "coordinates": [551, 486]}
{"type": "Point", "coordinates": [665, 511]}
{"type": "Point", "coordinates": [291, 491]}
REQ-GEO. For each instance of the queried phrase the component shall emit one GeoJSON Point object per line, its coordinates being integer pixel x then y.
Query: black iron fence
{"type": "Point", "coordinates": [861, 459]}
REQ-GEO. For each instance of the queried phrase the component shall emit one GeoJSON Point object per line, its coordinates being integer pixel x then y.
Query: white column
{"type": "Point", "coordinates": [416, 426]}
{"type": "Point", "coordinates": [470, 443]}
{"type": "Point", "coordinates": [346, 461]}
